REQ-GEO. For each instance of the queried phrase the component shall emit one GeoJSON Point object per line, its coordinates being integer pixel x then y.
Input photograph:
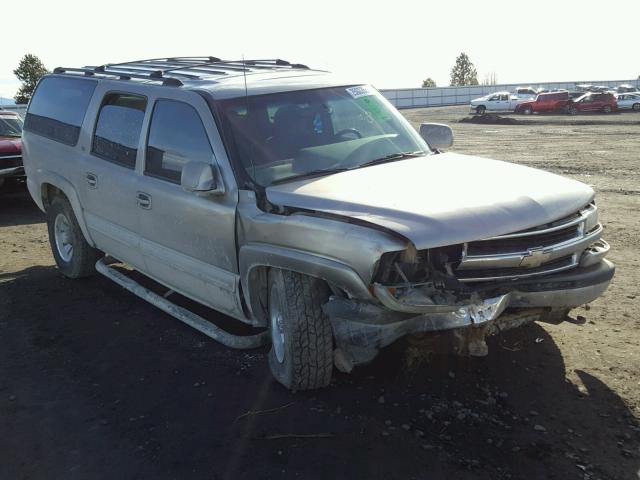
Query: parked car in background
{"type": "Point", "coordinates": [625, 88]}
{"type": "Point", "coordinates": [628, 101]}
{"type": "Point", "coordinates": [603, 88]}
{"type": "Point", "coordinates": [10, 147]}
{"type": "Point", "coordinates": [545, 102]}
{"type": "Point", "coordinates": [496, 102]}
{"type": "Point", "coordinates": [584, 87]}
{"type": "Point", "coordinates": [593, 102]}
{"type": "Point", "coordinates": [526, 92]}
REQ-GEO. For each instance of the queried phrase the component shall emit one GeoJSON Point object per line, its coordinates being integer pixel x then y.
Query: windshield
{"type": "Point", "coordinates": [282, 136]}
{"type": "Point", "coordinates": [10, 126]}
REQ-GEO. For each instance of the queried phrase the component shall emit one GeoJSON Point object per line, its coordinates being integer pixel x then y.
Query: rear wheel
{"type": "Point", "coordinates": [73, 255]}
{"type": "Point", "coordinates": [572, 110]}
{"type": "Point", "coordinates": [481, 109]}
{"type": "Point", "coordinates": [301, 356]}
{"type": "Point", "coordinates": [527, 110]}
{"type": "Point", "coordinates": [607, 109]}
{"type": "Point", "coordinates": [636, 107]}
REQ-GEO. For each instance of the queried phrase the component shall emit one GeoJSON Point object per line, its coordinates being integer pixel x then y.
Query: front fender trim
{"type": "Point", "coordinates": [256, 255]}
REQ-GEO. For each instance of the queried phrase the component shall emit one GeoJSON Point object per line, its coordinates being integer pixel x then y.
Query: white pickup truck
{"type": "Point", "coordinates": [496, 102]}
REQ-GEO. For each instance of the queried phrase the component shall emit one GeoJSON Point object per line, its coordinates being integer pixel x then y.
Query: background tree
{"type": "Point", "coordinates": [463, 72]}
{"type": "Point", "coordinates": [29, 71]}
{"type": "Point", "coordinates": [490, 79]}
{"type": "Point", "coordinates": [428, 83]}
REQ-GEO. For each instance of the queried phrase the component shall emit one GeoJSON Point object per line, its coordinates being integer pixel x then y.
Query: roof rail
{"type": "Point", "coordinates": [169, 70]}
{"type": "Point", "coordinates": [102, 70]}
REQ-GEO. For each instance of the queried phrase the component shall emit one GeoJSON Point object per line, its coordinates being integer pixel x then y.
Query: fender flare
{"type": "Point", "coordinates": [254, 256]}
{"type": "Point", "coordinates": [50, 178]}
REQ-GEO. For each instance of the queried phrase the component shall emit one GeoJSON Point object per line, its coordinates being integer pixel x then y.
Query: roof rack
{"type": "Point", "coordinates": [170, 70]}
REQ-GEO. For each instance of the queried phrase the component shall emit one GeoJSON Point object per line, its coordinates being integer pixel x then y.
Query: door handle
{"type": "Point", "coordinates": [92, 180]}
{"type": "Point", "coordinates": [143, 200]}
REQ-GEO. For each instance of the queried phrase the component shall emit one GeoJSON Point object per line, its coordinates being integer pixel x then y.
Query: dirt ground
{"type": "Point", "coordinates": [94, 383]}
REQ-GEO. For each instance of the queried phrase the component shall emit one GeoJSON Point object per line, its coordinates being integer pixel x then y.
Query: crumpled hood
{"type": "Point", "coordinates": [441, 199]}
{"type": "Point", "coordinates": [10, 145]}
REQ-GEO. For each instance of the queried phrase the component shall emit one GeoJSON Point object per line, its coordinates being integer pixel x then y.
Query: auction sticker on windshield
{"type": "Point", "coordinates": [360, 91]}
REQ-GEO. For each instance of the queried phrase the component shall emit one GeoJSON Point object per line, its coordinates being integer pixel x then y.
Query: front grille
{"type": "Point", "coordinates": [544, 249]}
{"type": "Point", "coordinates": [520, 244]}
{"type": "Point", "coordinates": [553, 266]}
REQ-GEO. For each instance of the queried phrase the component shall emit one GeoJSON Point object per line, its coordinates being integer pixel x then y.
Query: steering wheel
{"type": "Point", "coordinates": [352, 131]}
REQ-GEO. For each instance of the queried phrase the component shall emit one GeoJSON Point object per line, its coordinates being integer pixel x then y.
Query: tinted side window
{"type": "Point", "coordinates": [57, 108]}
{"type": "Point", "coordinates": [118, 128]}
{"type": "Point", "coordinates": [176, 136]}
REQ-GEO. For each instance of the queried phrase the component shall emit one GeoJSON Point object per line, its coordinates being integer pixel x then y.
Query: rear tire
{"type": "Point", "coordinates": [636, 107]}
{"type": "Point", "coordinates": [73, 255]}
{"type": "Point", "coordinates": [527, 111]}
{"type": "Point", "coordinates": [481, 109]}
{"type": "Point", "coordinates": [572, 110]}
{"type": "Point", "coordinates": [301, 356]}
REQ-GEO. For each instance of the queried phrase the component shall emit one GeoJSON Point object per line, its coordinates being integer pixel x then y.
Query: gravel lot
{"type": "Point", "coordinates": [95, 383]}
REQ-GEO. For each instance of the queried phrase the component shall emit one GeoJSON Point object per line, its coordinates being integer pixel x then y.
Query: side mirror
{"type": "Point", "coordinates": [199, 177]}
{"type": "Point", "coordinates": [437, 135]}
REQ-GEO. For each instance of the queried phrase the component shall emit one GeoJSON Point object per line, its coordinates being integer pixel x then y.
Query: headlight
{"type": "Point", "coordinates": [591, 217]}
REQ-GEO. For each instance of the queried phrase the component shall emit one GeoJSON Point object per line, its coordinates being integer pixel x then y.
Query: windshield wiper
{"type": "Point", "coordinates": [392, 158]}
{"type": "Point", "coordinates": [310, 174]}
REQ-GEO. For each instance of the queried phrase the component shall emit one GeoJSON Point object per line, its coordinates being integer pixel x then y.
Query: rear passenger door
{"type": "Point", "coordinates": [108, 177]}
{"type": "Point", "coordinates": [188, 239]}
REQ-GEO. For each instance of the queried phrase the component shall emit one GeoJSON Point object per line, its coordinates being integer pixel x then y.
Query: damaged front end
{"type": "Point", "coordinates": [475, 289]}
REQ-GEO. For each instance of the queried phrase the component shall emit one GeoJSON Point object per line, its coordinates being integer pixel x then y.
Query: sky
{"type": "Point", "coordinates": [393, 44]}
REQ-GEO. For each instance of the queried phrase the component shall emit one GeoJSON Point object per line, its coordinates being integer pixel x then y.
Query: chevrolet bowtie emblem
{"type": "Point", "coordinates": [534, 258]}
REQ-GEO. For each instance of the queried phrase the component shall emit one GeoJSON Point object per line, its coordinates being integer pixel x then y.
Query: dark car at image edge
{"type": "Point", "coordinates": [11, 168]}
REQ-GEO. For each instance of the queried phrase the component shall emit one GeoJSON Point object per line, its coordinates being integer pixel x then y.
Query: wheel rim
{"type": "Point", "coordinates": [63, 237]}
{"type": "Point", "coordinates": [277, 327]}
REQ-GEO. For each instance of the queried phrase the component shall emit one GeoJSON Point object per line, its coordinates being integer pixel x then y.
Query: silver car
{"type": "Point", "coordinates": [302, 205]}
{"type": "Point", "coordinates": [628, 101]}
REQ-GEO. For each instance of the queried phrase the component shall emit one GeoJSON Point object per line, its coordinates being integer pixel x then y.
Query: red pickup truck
{"type": "Point", "coordinates": [10, 146]}
{"type": "Point", "coordinates": [545, 102]}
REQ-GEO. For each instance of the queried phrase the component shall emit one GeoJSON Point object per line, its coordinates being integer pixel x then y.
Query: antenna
{"type": "Point", "coordinates": [246, 100]}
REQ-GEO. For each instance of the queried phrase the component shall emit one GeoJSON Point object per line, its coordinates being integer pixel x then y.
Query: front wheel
{"type": "Point", "coordinates": [636, 107]}
{"type": "Point", "coordinates": [572, 110]}
{"type": "Point", "coordinates": [481, 109]}
{"type": "Point", "coordinates": [606, 109]}
{"type": "Point", "coordinates": [301, 356]}
{"type": "Point", "coordinates": [527, 111]}
{"type": "Point", "coordinates": [73, 255]}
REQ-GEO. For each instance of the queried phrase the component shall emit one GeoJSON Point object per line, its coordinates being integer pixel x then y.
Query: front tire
{"type": "Point", "coordinates": [527, 111]}
{"type": "Point", "coordinates": [301, 356]}
{"type": "Point", "coordinates": [481, 109]}
{"type": "Point", "coordinates": [607, 109]}
{"type": "Point", "coordinates": [73, 255]}
{"type": "Point", "coordinates": [636, 107]}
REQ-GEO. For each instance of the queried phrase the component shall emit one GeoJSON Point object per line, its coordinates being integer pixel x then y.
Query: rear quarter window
{"type": "Point", "coordinates": [58, 107]}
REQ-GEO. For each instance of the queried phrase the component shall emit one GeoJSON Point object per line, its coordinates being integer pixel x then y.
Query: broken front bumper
{"type": "Point", "coordinates": [361, 329]}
